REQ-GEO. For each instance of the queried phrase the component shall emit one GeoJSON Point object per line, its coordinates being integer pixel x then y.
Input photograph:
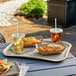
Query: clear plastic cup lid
{"type": "Point", "coordinates": [56, 30]}
{"type": "Point", "coordinates": [18, 35]}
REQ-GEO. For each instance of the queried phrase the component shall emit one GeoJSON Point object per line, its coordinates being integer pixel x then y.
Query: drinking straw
{"type": "Point", "coordinates": [17, 30]}
{"type": "Point", "coordinates": [17, 27]}
{"type": "Point", "coordinates": [55, 23]}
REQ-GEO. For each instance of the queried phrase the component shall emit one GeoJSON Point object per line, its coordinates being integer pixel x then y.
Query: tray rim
{"type": "Point", "coordinates": [38, 58]}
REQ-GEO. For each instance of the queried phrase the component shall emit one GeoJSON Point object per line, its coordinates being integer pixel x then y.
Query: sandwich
{"type": "Point", "coordinates": [31, 41]}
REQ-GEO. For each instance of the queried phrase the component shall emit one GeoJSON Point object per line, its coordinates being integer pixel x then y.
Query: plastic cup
{"type": "Point", "coordinates": [56, 34]}
{"type": "Point", "coordinates": [18, 42]}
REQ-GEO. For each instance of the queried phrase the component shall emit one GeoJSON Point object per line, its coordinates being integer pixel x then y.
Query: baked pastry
{"type": "Point", "coordinates": [5, 66]}
{"type": "Point", "coordinates": [50, 49]}
{"type": "Point", "coordinates": [31, 41]}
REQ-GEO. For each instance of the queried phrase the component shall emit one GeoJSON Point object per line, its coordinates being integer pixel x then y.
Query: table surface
{"type": "Point", "coordinates": [45, 68]}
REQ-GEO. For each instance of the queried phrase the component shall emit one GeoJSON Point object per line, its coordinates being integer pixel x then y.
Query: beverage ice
{"type": "Point", "coordinates": [18, 42]}
{"type": "Point", "coordinates": [56, 34]}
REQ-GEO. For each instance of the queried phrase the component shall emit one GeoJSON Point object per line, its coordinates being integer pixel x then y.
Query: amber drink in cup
{"type": "Point", "coordinates": [56, 34]}
{"type": "Point", "coordinates": [18, 42]}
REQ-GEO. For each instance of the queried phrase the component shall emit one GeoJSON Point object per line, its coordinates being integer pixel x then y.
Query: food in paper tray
{"type": "Point", "coordinates": [31, 41]}
{"type": "Point", "coordinates": [5, 66]}
{"type": "Point", "coordinates": [50, 49]}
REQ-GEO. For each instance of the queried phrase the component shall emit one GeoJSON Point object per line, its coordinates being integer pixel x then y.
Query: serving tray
{"type": "Point", "coordinates": [33, 53]}
{"type": "Point", "coordinates": [13, 71]}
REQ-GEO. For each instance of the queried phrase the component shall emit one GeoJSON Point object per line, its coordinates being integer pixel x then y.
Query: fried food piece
{"type": "Point", "coordinates": [46, 48]}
